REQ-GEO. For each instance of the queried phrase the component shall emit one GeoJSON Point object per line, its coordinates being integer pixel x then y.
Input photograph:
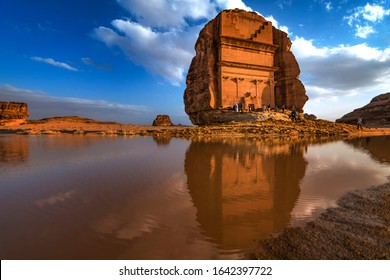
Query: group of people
{"type": "Point", "coordinates": [238, 107]}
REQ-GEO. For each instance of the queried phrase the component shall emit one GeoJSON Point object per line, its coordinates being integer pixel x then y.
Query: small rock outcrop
{"type": "Point", "coordinates": [13, 111]}
{"type": "Point", "coordinates": [241, 61]}
{"type": "Point", "coordinates": [162, 120]}
{"type": "Point", "coordinates": [309, 117]}
{"type": "Point", "coordinates": [374, 114]}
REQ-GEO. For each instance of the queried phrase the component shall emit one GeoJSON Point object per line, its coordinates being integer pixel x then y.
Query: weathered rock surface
{"type": "Point", "coordinates": [13, 111]}
{"type": "Point", "coordinates": [374, 114]}
{"type": "Point", "coordinates": [162, 120]}
{"type": "Point", "coordinates": [357, 229]}
{"type": "Point", "coordinates": [241, 59]}
{"type": "Point", "coordinates": [289, 90]}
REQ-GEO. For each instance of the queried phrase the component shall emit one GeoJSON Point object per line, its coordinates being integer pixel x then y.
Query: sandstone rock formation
{"type": "Point", "coordinates": [162, 120]}
{"type": "Point", "coordinates": [241, 58]}
{"type": "Point", "coordinates": [289, 90]}
{"type": "Point", "coordinates": [374, 114]}
{"type": "Point", "coordinates": [13, 111]}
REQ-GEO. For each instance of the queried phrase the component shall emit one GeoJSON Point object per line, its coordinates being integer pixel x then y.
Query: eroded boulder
{"type": "Point", "coordinates": [162, 120]}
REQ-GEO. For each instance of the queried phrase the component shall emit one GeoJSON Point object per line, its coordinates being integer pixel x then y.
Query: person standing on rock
{"type": "Point", "coordinates": [360, 123]}
{"type": "Point", "coordinates": [293, 115]}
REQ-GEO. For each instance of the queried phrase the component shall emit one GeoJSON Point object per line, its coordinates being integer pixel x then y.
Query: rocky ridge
{"type": "Point", "coordinates": [266, 125]}
{"type": "Point", "coordinates": [374, 114]}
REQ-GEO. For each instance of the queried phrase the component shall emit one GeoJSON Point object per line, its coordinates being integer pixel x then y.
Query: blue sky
{"type": "Point", "coordinates": [126, 60]}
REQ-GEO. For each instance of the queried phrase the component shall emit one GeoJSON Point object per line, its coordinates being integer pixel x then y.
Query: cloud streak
{"type": "Point", "coordinates": [90, 62]}
{"type": "Point", "coordinates": [51, 61]}
{"type": "Point", "coordinates": [42, 105]}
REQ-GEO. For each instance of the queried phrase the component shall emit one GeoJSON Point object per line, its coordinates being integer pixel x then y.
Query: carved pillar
{"type": "Point", "coordinates": [238, 79]}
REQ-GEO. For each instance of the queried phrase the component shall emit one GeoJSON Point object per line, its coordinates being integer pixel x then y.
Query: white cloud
{"type": "Point", "coordinates": [344, 76]}
{"type": "Point", "coordinates": [364, 31]}
{"type": "Point", "coordinates": [275, 23]}
{"type": "Point", "coordinates": [168, 13]}
{"type": "Point", "coordinates": [42, 105]}
{"type": "Point", "coordinates": [232, 4]}
{"type": "Point", "coordinates": [328, 6]}
{"type": "Point", "coordinates": [167, 54]}
{"type": "Point", "coordinates": [305, 48]}
{"type": "Point", "coordinates": [161, 34]}
{"type": "Point", "coordinates": [364, 18]}
{"type": "Point", "coordinates": [54, 63]}
{"type": "Point", "coordinates": [374, 13]}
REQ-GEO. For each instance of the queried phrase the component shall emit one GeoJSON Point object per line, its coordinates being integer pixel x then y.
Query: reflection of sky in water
{"type": "Point", "coordinates": [334, 169]}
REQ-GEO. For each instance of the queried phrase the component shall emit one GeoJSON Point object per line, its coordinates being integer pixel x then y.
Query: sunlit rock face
{"type": "Point", "coordinates": [13, 111]}
{"type": "Point", "coordinates": [241, 59]}
{"type": "Point", "coordinates": [374, 114]}
{"type": "Point", "coordinates": [162, 120]}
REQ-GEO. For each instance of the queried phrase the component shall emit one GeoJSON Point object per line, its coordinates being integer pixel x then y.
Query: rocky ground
{"type": "Point", "coordinates": [359, 228]}
{"type": "Point", "coordinates": [268, 124]}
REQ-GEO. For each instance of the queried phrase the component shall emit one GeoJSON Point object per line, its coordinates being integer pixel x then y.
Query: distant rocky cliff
{"type": "Point", "coordinates": [243, 61]}
{"type": "Point", "coordinates": [374, 114]}
{"type": "Point", "coordinates": [13, 111]}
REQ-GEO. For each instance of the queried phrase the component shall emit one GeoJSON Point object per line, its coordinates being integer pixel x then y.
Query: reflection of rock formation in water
{"type": "Point", "coordinates": [243, 190]}
{"type": "Point", "coordinates": [377, 147]}
{"type": "Point", "coordinates": [162, 139]}
{"type": "Point", "coordinates": [14, 149]}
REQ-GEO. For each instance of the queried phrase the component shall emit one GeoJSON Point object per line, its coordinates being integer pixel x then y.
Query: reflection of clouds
{"type": "Point", "coordinates": [333, 170]}
{"type": "Point", "coordinates": [123, 229]}
{"type": "Point", "coordinates": [57, 198]}
{"type": "Point", "coordinates": [157, 223]}
{"type": "Point", "coordinates": [139, 214]}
